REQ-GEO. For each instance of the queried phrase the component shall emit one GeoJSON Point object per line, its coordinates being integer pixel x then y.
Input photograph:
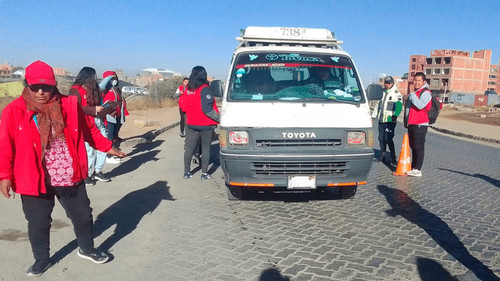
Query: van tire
{"type": "Point", "coordinates": [348, 192]}
{"type": "Point", "coordinates": [234, 193]}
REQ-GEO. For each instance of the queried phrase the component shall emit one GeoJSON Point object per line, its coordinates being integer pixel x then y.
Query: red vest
{"type": "Point", "coordinates": [419, 116]}
{"type": "Point", "coordinates": [182, 92]}
{"type": "Point", "coordinates": [192, 107]}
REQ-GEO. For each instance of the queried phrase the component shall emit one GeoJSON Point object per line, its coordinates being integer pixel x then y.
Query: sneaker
{"type": "Point", "coordinates": [182, 135]}
{"type": "Point", "coordinates": [414, 173]}
{"type": "Point", "coordinates": [89, 181]}
{"type": "Point", "coordinates": [205, 176]}
{"type": "Point", "coordinates": [97, 256]}
{"type": "Point", "coordinates": [187, 175]}
{"type": "Point", "coordinates": [38, 268]}
{"type": "Point", "coordinates": [113, 160]}
{"type": "Point", "coordinates": [100, 177]}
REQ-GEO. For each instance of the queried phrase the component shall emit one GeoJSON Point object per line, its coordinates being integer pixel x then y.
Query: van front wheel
{"type": "Point", "coordinates": [348, 192]}
{"type": "Point", "coordinates": [234, 193]}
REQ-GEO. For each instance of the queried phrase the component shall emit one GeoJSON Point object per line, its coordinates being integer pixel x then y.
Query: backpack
{"type": "Point", "coordinates": [435, 107]}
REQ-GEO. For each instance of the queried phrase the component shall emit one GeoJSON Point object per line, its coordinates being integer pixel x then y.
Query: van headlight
{"type": "Point", "coordinates": [356, 138]}
{"type": "Point", "coordinates": [238, 138]}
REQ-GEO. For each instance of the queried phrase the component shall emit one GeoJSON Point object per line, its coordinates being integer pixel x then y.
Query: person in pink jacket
{"type": "Point", "coordinates": [43, 156]}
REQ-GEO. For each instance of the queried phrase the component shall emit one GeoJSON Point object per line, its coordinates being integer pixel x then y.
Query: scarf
{"type": "Point", "coordinates": [49, 116]}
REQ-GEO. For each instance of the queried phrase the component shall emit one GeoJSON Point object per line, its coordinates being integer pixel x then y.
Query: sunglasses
{"type": "Point", "coordinates": [43, 87]}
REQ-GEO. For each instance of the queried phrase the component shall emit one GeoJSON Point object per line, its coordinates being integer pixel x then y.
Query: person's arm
{"type": "Point", "coordinates": [89, 110]}
{"type": "Point", "coordinates": [6, 153]}
{"type": "Point", "coordinates": [207, 104]}
{"type": "Point", "coordinates": [421, 102]}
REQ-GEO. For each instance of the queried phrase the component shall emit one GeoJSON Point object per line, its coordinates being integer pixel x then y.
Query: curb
{"type": "Point", "coordinates": [149, 136]}
{"type": "Point", "coordinates": [458, 134]}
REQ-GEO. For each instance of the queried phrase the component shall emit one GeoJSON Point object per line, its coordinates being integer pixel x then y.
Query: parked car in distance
{"type": "Point", "coordinates": [130, 90]}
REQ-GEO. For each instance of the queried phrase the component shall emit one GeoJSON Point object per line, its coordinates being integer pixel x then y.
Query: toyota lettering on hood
{"type": "Point", "coordinates": [299, 135]}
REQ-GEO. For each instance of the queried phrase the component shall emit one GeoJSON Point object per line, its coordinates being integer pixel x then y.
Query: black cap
{"type": "Point", "coordinates": [388, 80]}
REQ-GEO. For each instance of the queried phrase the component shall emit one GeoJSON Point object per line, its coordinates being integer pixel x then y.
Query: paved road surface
{"type": "Point", "coordinates": [158, 226]}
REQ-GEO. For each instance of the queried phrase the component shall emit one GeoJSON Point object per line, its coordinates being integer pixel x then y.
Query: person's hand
{"type": "Point", "coordinates": [210, 79]}
{"type": "Point", "coordinates": [5, 187]}
{"type": "Point", "coordinates": [98, 109]}
{"type": "Point", "coordinates": [394, 118]}
{"type": "Point", "coordinates": [116, 152]}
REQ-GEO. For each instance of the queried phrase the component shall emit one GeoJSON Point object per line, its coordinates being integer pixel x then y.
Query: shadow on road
{"type": "Point", "coordinates": [126, 214]}
{"type": "Point", "coordinates": [491, 180]}
{"type": "Point", "coordinates": [436, 228]}
{"type": "Point", "coordinates": [272, 274]}
{"type": "Point", "coordinates": [431, 270]}
{"type": "Point", "coordinates": [136, 159]}
{"type": "Point", "coordinates": [289, 197]}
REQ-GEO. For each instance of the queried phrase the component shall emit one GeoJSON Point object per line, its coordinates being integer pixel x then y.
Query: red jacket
{"type": "Point", "coordinates": [194, 112]}
{"type": "Point", "coordinates": [182, 91]}
{"type": "Point", "coordinates": [111, 95]}
{"type": "Point", "coordinates": [20, 156]}
{"type": "Point", "coordinates": [419, 116]}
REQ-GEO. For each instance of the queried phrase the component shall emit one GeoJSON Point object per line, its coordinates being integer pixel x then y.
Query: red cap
{"type": "Point", "coordinates": [108, 73]}
{"type": "Point", "coordinates": [40, 73]}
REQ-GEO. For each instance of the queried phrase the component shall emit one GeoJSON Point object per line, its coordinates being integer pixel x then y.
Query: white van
{"type": "Point", "coordinates": [294, 115]}
{"type": "Point", "coordinates": [130, 90]}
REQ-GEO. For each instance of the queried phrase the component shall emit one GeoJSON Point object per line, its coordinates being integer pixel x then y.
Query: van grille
{"type": "Point", "coordinates": [299, 168]}
{"type": "Point", "coordinates": [298, 143]}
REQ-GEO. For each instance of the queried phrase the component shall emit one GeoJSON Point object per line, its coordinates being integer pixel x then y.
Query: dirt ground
{"type": "Point", "coordinates": [479, 115]}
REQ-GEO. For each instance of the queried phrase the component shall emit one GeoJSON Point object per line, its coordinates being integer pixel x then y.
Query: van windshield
{"type": "Point", "coordinates": [264, 76]}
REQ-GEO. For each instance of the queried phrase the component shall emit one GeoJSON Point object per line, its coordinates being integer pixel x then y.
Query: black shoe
{"type": "Point", "coordinates": [38, 268]}
{"type": "Point", "coordinates": [100, 177]}
{"type": "Point", "coordinates": [187, 175]}
{"type": "Point", "coordinates": [182, 135]}
{"type": "Point", "coordinates": [97, 256]}
{"type": "Point", "coordinates": [205, 176]}
{"type": "Point", "coordinates": [89, 181]}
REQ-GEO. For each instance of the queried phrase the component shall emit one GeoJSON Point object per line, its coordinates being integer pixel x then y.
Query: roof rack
{"type": "Point", "coordinates": [287, 35]}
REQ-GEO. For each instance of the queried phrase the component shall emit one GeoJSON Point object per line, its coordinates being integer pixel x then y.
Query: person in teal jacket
{"type": "Point", "coordinates": [387, 110]}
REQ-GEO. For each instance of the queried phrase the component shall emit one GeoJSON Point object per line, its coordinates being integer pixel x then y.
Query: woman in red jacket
{"type": "Point", "coordinates": [42, 135]}
{"type": "Point", "coordinates": [202, 118]}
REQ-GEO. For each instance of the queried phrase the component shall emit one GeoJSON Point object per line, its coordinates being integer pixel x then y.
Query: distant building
{"type": "Point", "coordinates": [5, 70]}
{"type": "Point", "coordinates": [150, 75]}
{"type": "Point", "coordinates": [458, 72]}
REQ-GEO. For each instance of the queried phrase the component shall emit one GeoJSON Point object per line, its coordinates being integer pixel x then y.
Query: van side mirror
{"type": "Point", "coordinates": [216, 88]}
{"type": "Point", "coordinates": [374, 92]}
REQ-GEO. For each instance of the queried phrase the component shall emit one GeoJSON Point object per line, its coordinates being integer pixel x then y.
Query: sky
{"type": "Point", "coordinates": [178, 35]}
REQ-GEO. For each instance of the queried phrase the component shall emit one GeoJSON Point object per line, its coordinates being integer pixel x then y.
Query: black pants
{"type": "Point", "coordinates": [113, 129]}
{"type": "Point", "coordinates": [182, 123]}
{"type": "Point", "coordinates": [416, 136]}
{"type": "Point", "coordinates": [192, 138]}
{"type": "Point", "coordinates": [385, 138]}
{"type": "Point", "coordinates": [38, 210]}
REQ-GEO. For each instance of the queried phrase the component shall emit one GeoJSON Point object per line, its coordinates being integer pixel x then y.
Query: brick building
{"type": "Point", "coordinates": [457, 72]}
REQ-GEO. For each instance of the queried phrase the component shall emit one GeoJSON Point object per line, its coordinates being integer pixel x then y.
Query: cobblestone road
{"type": "Point", "coordinates": [157, 226]}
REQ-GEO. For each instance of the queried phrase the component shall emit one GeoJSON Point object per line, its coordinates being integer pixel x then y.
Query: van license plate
{"type": "Point", "coordinates": [302, 182]}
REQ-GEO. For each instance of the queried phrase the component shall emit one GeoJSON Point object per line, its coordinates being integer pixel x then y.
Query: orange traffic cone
{"type": "Point", "coordinates": [404, 162]}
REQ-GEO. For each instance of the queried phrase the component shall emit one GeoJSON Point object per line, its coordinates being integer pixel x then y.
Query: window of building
{"type": "Point", "coordinates": [412, 66]}
{"type": "Point", "coordinates": [435, 82]}
{"type": "Point", "coordinates": [412, 74]}
{"type": "Point", "coordinates": [493, 76]}
{"type": "Point", "coordinates": [446, 71]}
{"type": "Point", "coordinates": [491, 83]}
{"type": "Point", "coordinates": [437, 71]}
{"type": "Point", "coordinates": [444, 82]}
{"type": "Point", "coordinates": [447, 60]}
{"type": "Point", "coordinates": [428, 71]}
{"type": "Point", "coordinates": [438, 60]}
{"type": "Point", "coordinates": [414, 59]}
{"type": "Point", "coordinates": [429, 60]}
